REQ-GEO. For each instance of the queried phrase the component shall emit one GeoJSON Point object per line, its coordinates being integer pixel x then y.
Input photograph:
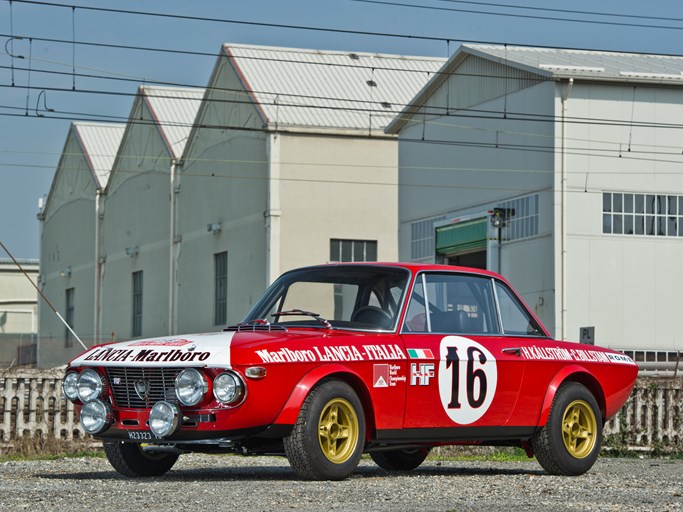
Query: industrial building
{"type": "Point", "coordinates": [18, 312]}
{"type": "Point", "coordinates": [281, 162]}
{"type": "Point", "coordinates": [561, 170]}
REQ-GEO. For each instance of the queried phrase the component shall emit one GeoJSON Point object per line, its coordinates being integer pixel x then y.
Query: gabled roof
{"type": "Point", "coordinates": [562, 63]}
{"type": "Point", "coordinates": [555, 64]}
{"type": "Point", "coordinates": [322, 89]}
{"type": "Point", "coordinates": [174, 110]}
{"type": "Point", "coordinates": [100, 143]}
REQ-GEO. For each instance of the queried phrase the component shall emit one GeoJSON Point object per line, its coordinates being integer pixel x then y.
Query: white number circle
{"type": "Point", "coordinates": [467, 379]}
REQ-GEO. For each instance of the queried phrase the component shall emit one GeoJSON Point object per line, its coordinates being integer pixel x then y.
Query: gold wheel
{"type": "Point", "coordinates": [338, 430]}
{"type": "Point", "coordinates": [579, 429]}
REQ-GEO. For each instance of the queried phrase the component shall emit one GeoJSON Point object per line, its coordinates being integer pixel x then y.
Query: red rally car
{"type": "Point", "coordinates": [336, 360]}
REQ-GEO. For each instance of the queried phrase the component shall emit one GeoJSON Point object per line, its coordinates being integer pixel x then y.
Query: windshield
{"type": "Point", "coordinates": [350, 297]}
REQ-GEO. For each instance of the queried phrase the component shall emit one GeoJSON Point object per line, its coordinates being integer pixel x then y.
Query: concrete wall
{"type": "Point", "coordinates": [626, 286]}
{"type": "Point", "coordinates": [223, 180]}
{"type": "Point", "coordinates": [68, 245]}
{"type": "Point", "coordinates": [136, 215]}
{"type": "Point", "coordinates": [336, 187]}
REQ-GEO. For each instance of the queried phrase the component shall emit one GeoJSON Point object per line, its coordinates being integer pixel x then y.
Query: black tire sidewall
{"type": "Point", "coordinates": [400, 459]}
{"type": "Point", "coordinates": [129, 460]}
{"type": "Point", "coordinates": [567, 394]}
{"type": "Point", "coordinates": [326, 392]}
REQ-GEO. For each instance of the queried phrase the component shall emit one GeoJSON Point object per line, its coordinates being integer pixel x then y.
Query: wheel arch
{"type": "Point", "coordinates": [290, 412]}
{"type": "Point", "coordinates": [578, 374]}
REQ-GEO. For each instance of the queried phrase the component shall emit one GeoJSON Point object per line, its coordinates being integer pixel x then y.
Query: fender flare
{"type": "Point", "coordinates": [290, 412]}
{"type": "Point", "coordinates": [560, 377]}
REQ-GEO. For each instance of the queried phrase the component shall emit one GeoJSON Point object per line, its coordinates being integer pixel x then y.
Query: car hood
{"type": "Point", "coordinates": [211, 349]}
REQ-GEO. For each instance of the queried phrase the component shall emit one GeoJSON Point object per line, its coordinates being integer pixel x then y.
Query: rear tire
{"type": "Point", "coordinates": [400, 460]}
{"type": "Point", "coordinates": [129, 460]}
{"type": "Point", "coordinates": [329, 435]}
{"type": "Point", "coordinates": [569, 443]}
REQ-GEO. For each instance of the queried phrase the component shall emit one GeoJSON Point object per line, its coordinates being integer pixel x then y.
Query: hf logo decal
{"type": "Point", "coordinates": [467, 379]}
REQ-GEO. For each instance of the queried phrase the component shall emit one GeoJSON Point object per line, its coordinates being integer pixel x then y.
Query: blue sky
{"type": "Point", "coordinates": [30, 145]}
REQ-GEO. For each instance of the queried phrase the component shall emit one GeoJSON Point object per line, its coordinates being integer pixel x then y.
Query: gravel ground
{"type": "Point", "coordinates": [206, 482]}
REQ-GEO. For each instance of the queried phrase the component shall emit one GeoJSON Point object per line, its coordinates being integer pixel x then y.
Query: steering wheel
{"type": "Point", "coordinates": [374, 316]}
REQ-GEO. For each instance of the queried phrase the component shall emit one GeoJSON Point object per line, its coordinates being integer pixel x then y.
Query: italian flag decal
{"type": "Point", "coordinates": [420, 353]}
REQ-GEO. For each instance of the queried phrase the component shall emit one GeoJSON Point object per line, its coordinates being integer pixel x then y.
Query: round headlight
{"type": "Point", "coordinates": [228, 388]}
{"type": "Point", "coordinates": [95, 416]}
{"type": "Point", "coordinates": [89, 385]}
{"type": "Point", "coordinates": [70, 386]}
{"type": "Point", "coordinates": [190, 387]}
{"type": "Point", "coordinates": [164, 419]}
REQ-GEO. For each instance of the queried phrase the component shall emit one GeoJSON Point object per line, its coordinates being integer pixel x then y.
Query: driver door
{"type": "Point", "coordinates": [459, 372]}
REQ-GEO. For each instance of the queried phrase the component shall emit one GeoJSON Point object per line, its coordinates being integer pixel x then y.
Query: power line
{"type": "Point", "coordinates": [523, 16]}
{"type": "Point", "coordinates": [435, 111]}
{"type": "Point", "coordinates": [315, 28]}
{"type": "Point", "coordinates": [565, 11]}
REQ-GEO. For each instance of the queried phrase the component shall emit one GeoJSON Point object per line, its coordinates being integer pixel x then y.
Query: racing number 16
{"type": "Point", "coordinates": [473, 376]}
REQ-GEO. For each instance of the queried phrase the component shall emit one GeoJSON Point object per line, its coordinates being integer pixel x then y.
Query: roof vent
{"type": "Point", "coordinates": [354, 56]}
{"type": "Point", "coordinates": [640, 74]}
{"type": "Point", "coordinates": [371, 83]}
{"type": "Point", "coordinates": [579, 69]}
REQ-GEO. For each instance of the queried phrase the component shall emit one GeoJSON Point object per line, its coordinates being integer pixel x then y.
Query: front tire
{"type": "Point", "coordinates": [401, 459]}
{"type": "Point", "coordinates": [569, 443]}
{"type": "Point", "coordinates": [129, 460]}
{"type": "Point", "coordinates": [329, 435]}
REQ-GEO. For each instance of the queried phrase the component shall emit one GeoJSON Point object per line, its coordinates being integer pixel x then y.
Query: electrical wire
{"type": "Point", "coordinates": [516, 15]}
{"type": "Point", "coordinates": [312, 28]}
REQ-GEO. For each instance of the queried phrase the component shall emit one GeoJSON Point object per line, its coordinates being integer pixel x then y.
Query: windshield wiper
{"type": "Point", "coordinates": [301, 312]}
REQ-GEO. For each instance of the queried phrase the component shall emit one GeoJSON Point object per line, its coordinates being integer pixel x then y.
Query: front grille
{"type": "Point", "coordinates": [128, 386]}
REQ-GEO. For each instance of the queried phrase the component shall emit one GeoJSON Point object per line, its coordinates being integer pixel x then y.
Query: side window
{"type": "Point", "coordinates": [457, 303]}
{"type": "Point", "coordinates": [515, 318]}
{"type": "Point", "coordinates": [416, 316]}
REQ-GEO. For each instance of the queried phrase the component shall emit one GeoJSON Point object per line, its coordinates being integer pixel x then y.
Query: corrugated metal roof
{"type": "Point", "coordinates": [329, 89]}
{"type": "Point", "coordinates": [554, 63]}
{"type": "Point", "coordinates": [174, 110]}
{"type": "Point", "coordinates": [100, 143]}
{"type": "Point", "coordinates": [587, 64]}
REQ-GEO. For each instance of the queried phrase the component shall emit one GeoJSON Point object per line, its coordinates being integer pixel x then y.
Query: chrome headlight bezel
{"type": "Point", "coordinates": [229, 388]}
{"type": "Point", "coordinates": [95, 416]}
{"type": "Point", "coordinates": [164, 419]}
{"type": "Point", "coordinates": [190, 387]}
{"type": "Point", "coordinates": [70, 386]}
{"type": "Point", "coordinates": [90, 385]}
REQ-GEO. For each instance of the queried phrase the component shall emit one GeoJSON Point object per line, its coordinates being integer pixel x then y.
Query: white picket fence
{"type": "Point", "coordinates": [31, 404]}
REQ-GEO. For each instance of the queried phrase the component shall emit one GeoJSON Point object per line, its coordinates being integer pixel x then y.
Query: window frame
{"type": "Point", "coordinates": [220, 283]}
{"type": "Point", "coordinates": [137, 296]}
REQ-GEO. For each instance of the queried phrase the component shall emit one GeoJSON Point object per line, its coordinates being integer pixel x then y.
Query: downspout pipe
{"type": "Point", "coordinates": [563, 212]}
{"type": "Point", "coordinates": [171, 247]}
{"type": "Point", "coordinates": [99, 263]}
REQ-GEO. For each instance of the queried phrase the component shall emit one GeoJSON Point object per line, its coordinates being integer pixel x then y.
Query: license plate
{"type": "Point", "coordinates": [141, 435]}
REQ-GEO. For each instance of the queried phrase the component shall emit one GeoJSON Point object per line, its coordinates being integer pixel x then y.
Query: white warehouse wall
{"type": "Point", "coordinates": [68, 241]}
{"type": "Point", "coordinates": [336, 187]}
{"type": "Point", "coordinates": [626, 286]}
{"type": "Point", "coordinates": [136, 214]}
{"type": "Point", "coordinates": [458, 178]}
{"type": "Point", "coordinates": [223, 180]}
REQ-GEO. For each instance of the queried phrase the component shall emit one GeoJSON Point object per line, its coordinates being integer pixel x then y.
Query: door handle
{"type": "Point", "coordinates": [513, 350]}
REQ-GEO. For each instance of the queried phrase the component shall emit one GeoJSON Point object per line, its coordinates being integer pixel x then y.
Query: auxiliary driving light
{"type": "Point", "coordinates": [95, 416]}
{"type": "Point", "coordinates": [228, 388]}
{"type": "Point", "coordinates": [190, 387]}
{"type": "Point", "coordinates": [89, 385]}
{"type": "Point", "coordinates": [164, 419]}
{"type": "Point", "coordinates": [70, 386]}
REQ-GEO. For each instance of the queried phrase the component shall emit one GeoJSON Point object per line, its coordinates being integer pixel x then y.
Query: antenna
{"type": "Point", "coordinates": [43, 296]}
